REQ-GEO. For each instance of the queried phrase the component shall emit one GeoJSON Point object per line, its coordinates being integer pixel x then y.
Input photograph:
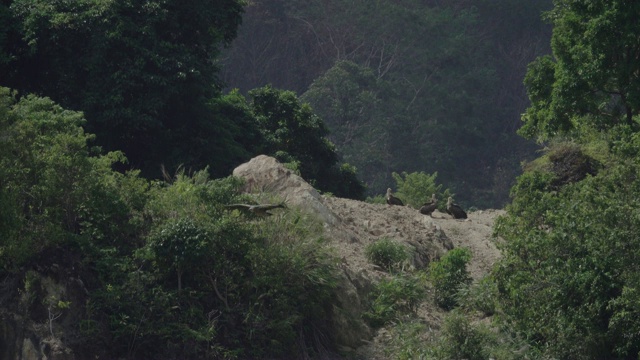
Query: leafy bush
{"type": "Point", "coordinates": [394, 297]}
{"type": "Point", "coordinates": [377, 199]}
{"type": "Point", "coordinates": [179, 245]}
{"type": "Point", "coordinates": [449, 275]}
{"type": "Point", "coordinates": [249, 289]}
{"type": "Point", "coordinates": [460, 339]}
{"type": "Point", "coordinates": [55, 189]}
{"type": "Point", "coordinates": [409, 340]}
{"type": "Point", "coordinates": [481, 296]}
{"type": "Point", "coordinates": [416, 188]}
{"type": "Point", "coordinates": [387, 253]}
{"type": "Point", "coordinates": [569, 262]}
{"type": "Point", "coordinates": [169, 272]}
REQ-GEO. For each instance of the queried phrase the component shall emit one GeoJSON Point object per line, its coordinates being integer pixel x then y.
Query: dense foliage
{"type": "Point", "coordinates": [141, 71]}
{"type": "Point", "coordinates": [449, 275]}
{"type": "Point", "coordinates": [592, 79]}
{"type": "Point", "coordinates": [568, 280]}
{"type": "Point", "coordinates": [406, 91]}
{"type": "Point", "coordinates": [417, 189]}
{"type": "Point", "coordinates": [145, 74]}
{"type": "Point", "coordinates": [395, 298]}
{"type": "Point", "coordinates": [169, 273]}
{"type": "Point", "coordinates": [571, 262]}
{"type": "Point", "coordinates": [295, 135]}
{"type": "Point", "coordinates": [433, 86]}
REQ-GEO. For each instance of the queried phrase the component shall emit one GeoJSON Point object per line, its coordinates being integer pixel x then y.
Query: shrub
{"type": "Point", "coordinates": [179, 245]}
{"type": "Point", "coordinates": [570, 164]}
{"type": "Point", "coordinates": [387, 253]}
{"type": "Point", "coordinates": [568, 261]}
{"type": "Point", "coordinates": [449, 275]}
{"type": "Point", "coordinates": [481, 296]}
{"type": "Point", "coordinates": [394, 297]}
{"type": "Point", "coordinates": [408, 341]}
{"type": "Point", "coordinates": [416, 188]}
{"type": "Point", "coordinates": [377, 199]}
{"type": "Point", "coordinates": [461, 339]}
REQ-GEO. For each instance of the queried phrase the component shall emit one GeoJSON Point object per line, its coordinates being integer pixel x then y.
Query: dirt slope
{"type": "Point", "coordinates": [362, 224]}
{"type": "Point", "coordinates": [352, 225]}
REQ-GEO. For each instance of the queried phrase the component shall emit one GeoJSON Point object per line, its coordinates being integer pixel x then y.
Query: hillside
{"type": "Point", "coordinates": [31, 330]}
{"type": "Point", "coordinates": [352, 225]}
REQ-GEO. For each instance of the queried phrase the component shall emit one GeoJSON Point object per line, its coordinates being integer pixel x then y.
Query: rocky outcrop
{"type": "Point", "coordinates": [265, 174]}
{"type": "Point", "coordinates": [33, 327]}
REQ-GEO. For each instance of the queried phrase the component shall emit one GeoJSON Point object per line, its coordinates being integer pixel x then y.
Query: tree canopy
{"type": "Point", "coordinates": [568, 280]}
{"type": "Point", "coordinates": [440, 81]}
{"type": "Point", "coordinates": [141, 71]}
{"type": "Point", "coordinates": [592, 77]}
{"type": "Point", "coordinates": [145, 76]}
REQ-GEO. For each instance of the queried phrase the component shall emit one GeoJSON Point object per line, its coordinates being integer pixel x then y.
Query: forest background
{"type": "Point", "coordinates": [408, 86]}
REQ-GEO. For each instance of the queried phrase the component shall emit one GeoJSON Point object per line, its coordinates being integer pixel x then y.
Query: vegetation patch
{"type": "Point", "coordinates": [387, 253]}
{"type": "Point", "coordinates": [449, 275]}
{"type": "Point", "coordinates": [394, 297]}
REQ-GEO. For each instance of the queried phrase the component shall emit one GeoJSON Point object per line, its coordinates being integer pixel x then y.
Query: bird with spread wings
{"type": "Point", "coordinates": [261, 210]}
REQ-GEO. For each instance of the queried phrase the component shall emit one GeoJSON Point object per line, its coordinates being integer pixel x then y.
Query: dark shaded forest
{"type": "Point", "coordinates": [410, 86]}
{"type": "Point", "coordinates": [399, 87]}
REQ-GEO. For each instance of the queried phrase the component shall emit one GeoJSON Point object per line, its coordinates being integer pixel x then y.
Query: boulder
{"type": "Point", "coordinates": [265, 174]}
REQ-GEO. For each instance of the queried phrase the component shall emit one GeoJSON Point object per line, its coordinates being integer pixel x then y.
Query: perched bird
{"type": "Point", "coordinates": [258, 210]}
{"type": "Point", "coordinates": [455, 210]}
{"type": "Point", "coordinates": [392, 200]}
{"type": "Point", "coordinates": [428, 208]}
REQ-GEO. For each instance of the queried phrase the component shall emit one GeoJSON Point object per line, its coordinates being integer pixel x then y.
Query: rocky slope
{"type": "Point", "coordinates": [352, 225]}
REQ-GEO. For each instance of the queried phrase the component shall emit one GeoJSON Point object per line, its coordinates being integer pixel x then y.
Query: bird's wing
{"type": "Point", "coordinates": [245, 208]}
{"type": "Point", "coordinates": [238, 206]}
{"type": "Point", "coordinates": [266, 207]}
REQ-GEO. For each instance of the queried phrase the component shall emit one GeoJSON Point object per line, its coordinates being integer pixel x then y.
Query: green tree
{"type": "Point", "coordinates": [142, 72]}
{"type": "Point", "coordinates": [244, 290]}
{"type": "Point", "coordinates": [592, 78]}
{"type": "Point", "coordinates": [179, 245]}
{"type": "Point", "coordinates": [54, 184]}
{"type": "Point", "coordinates": [413, 78]}
{"type": "Point", "coordinates": [348, 97]}
{"type": "Point", "coordinates": [569, 262]}
{"type": "Point", "coordinates": [295, 134]}
{"type": "Point", "coordinates": [416, 188]}
{"type": "Point", "coordinates": [568, 275]}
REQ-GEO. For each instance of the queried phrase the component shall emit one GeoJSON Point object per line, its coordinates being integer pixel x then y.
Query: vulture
{"type": "Point", "coordinates": [392, 200]}
{"type": "Point", "coordinates": [428, 208]}
{"type": "Point", "coordinates": [455, 210]}
{"type": "Point", "coordinates": [259, 210]}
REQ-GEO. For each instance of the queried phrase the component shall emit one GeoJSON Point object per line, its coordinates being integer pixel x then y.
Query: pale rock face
{"type": "Point", "coordinates": [265, 174]}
